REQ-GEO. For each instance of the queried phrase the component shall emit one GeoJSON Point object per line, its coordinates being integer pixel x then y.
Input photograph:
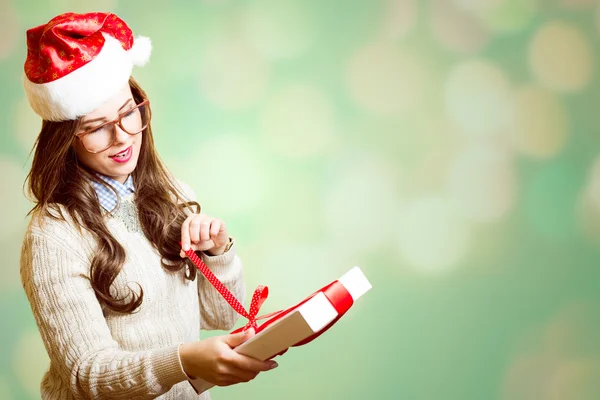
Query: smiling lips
{"type": "Point", "coordinates": [123, 156]}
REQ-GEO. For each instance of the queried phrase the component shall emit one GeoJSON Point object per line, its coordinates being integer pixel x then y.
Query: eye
{"type": "Point", "coordinates": [130, 113]}
{"type": "Point", "coordinates": [97, 130]}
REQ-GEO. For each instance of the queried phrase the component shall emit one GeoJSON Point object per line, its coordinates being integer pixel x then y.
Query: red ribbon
{"type": "Point", "coordinates": [258, 298]}
{"type": "Point", "coordinates": [335, 292]}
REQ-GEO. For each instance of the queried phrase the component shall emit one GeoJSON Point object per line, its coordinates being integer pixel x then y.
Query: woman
{"type": "Point", "coordinates": [118, 306]}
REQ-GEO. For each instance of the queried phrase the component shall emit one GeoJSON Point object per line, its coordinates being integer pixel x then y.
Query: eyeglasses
{"type": "Point", "coordinates": [133, 121]}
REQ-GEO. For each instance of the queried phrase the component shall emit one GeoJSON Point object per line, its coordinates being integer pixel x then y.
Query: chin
{"type": "Point", "coordinates": [126, 169]}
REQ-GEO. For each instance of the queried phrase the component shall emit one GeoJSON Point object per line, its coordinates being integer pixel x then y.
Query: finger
{"type": "Point", "coordinates": [203, 245]}
{"type": "Point", "coordinates": [239, 375]}
{"type": "Point", "coordinates": [215, 227]}
{"type": "Point", "coordinates": [251, 364]}
{"type": "Point", "coordinates": [185, 233]}
{"type": "Point", "coordinates": [235, 339]}
{"type": "Point", "coordinates": [195, 224]}
{"type": "Point", "coordinates": [205, 229]}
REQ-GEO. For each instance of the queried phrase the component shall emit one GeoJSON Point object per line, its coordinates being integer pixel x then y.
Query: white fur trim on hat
{"type": "Point", "coordinates": [140, 51]}
{"type": "Point", "coordinates": [87, 88]}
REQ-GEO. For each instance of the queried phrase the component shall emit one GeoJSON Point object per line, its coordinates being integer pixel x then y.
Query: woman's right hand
{"type": "Point", "coordinates": [215, 361]}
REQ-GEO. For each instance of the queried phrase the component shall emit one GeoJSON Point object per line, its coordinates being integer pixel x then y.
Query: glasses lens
{"type": "Point", "coordinates": [132, 121]}
{"type": "Point", "coordinates": [99, 138]}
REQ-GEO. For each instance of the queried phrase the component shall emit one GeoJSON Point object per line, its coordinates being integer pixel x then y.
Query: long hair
{"type": "Point", "coordinates": [57, 178]}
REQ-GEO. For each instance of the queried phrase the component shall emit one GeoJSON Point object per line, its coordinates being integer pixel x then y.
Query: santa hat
{"type": "Point", "coordinates": [76, 62]}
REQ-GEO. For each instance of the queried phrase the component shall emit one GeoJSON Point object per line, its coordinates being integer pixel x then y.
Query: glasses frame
{"type": "Point", "coordinates": [116, 122]}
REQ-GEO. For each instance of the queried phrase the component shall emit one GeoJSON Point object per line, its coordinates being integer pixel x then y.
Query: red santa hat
{"type": "Point", "coordinates": [76, 62]}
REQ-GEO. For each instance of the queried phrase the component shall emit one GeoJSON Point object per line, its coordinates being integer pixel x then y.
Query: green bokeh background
{"type": "Point", "coordinates": [450, 148]}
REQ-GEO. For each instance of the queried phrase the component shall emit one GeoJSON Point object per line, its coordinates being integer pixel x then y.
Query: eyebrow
{"type": "Point", "coordinates": [87, 122]}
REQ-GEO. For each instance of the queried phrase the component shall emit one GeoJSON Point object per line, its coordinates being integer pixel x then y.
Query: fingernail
{"type": "Point", "coordinates": [250, 332]}
{"type": "Point", "coordinates": [274, 365]}
{"type": "Point", "coordinates": [186, 246]}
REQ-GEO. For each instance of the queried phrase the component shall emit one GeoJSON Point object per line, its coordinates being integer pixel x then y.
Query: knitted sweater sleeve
{"type": "Point", "coordinates": [215, 312]}
{"type": "Point", "coordinates": [74, 331]}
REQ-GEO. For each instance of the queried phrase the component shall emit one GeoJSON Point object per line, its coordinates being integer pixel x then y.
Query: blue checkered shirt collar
{"type": "Point", "coordinates": [108, 198]}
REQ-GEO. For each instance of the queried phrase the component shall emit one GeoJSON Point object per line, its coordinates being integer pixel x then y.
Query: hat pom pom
{"type": "Point", "coordinates": [140, 51]}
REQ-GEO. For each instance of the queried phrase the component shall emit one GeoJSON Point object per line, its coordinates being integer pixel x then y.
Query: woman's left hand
{"type": "Point", "coordinates": [204, 233]}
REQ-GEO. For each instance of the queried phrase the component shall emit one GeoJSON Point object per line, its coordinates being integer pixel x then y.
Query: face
{"type": "Point", "coordinates": [120, 159]}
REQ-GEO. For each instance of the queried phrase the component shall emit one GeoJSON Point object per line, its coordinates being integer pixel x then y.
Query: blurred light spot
{"type": "Point", "coordinates": [559, 360]}
{"type": "Point", "coordinates": [361, 203]}
{"type": "Point", "coordinates": [384, 80]}
{"type": "Point", "coordinates": [399, 18]}
{"type": "Point", "coordinates": [227, 174]}
{"type": "Point", "coordinates": [440, 143]}
{"type": "Point", "coordinates": [299, 121]}
{"type": "Point", "coordinates": [545, 378]}
{"type": "Point", "coordinates": [482, 183]}
{"type": "Point", "coordinates": [525, 378]}
{"type": "Point", "coordinates": [30, 361]}
{"type": "Point", "coordinates": [560, 57]}
{"type": "Point", "coordinates": [26, 124]}
{"type": "Point", "coordinates": [575, 379]}
{"type": "Point", "coordinates": [15, 205]}
{"type": "Point", "coordinates": [279, 29]}
{"type": "Point", "coordinates": [232, 74]}
{"type": "Point", "coordinates": [593, 185]}
{"type": "Point", "coordinates": [589, 204]}
{"type": "Point", "coordinates": [509, 15]}
{"type": "Point", "coordinates": [456, 28]}
{"type": "Point", "coordinates": [10, 29]}
{"type": "Point", "coordinates": [478, 97]}
{"type": "Point", "coordinates": [477, 7]}
{"type": "Point", "coordinates": [550, 200]}
{"type": "Point", "coordinates": [588, 215]}
{"type": "Point", "coordinates": [573, 331]}
{"type": "Point", "coordinates": [432, 238]}
{"type": "Point", "coordinates": [541, 124]}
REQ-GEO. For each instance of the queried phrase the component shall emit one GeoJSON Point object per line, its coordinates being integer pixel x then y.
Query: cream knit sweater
{"type": "Point", "coordinates": [100, 354]}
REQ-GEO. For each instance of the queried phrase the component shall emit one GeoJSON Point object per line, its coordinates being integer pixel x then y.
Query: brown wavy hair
{"type": "Point", "coordinates": [57, 178]}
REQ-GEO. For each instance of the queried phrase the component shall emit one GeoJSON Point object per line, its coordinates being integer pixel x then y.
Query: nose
{"type": "Point", "coordinates": [120, 135]}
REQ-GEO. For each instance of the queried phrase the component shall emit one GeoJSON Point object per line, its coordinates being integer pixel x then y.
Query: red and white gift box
{"type": "Point", "coordinates": [295, 326]}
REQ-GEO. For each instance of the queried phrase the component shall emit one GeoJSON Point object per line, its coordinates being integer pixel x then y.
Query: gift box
{"type": "Point", "coordinates": [294, 326]}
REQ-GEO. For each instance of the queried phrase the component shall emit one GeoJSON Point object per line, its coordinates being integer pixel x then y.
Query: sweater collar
{"type": "Point", "coordinates": [110, 198]}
